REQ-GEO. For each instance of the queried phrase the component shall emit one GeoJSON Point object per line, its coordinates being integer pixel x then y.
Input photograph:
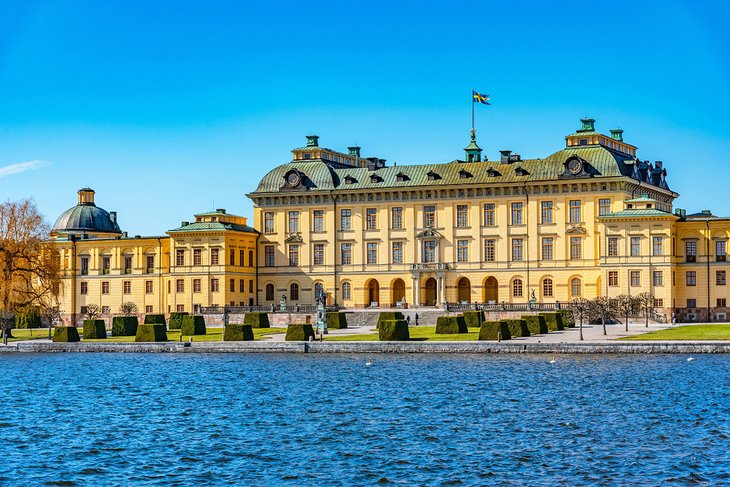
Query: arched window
{"type": "Point", "coordinates": [294, 291]}
{"type": "Point", "coordinates": [346, 290]}
{"type": "Point", "coordinates": [575, 287]}
{"type": "Point", "coordinates": [318, 290]}
{"type": "Point", "coordinates": [269, 292]}
{"type": "Point", "coordinates": [547, 287]}
{"type": "Point", "coordinates": [517, 288]}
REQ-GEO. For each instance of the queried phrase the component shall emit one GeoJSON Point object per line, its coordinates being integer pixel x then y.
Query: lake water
{"type": "Point", "coordinates": [260, 419]}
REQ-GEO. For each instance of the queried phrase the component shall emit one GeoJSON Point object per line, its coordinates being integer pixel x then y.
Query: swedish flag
{"type": "Point", "coordinates": [478, 97]}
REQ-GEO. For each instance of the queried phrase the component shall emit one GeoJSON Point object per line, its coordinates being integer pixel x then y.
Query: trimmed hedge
{"type": "Point", "coordinates": [389, 316]}
{"type": "Point", "coordinates": [66, 334]}
{"type": "Point", "coordinates": [154, 319]}
{"type": "Point", "coordinates": [151, 332]}
{"type": "Point", "coordinates": [450, 324]}
{"type": "Point", "coordinates": [94, 329]}
{"type": "Point", "coordinates": [257, 320]}
{"type": "Point", "coordinates": [299, 332]}
{"type": "Point", "coordinates": [28, 319]}
{"type": "Point", "coordinates": [238, 333]}
{"type": "Point", "coordinates": [474, 319]}
{"type": "Point", "coordinates": [518, 328]}
{"type": "Point", "coordinates": [124, 326]}
{"type": "Point", "coordinates": [536, 324]}
{"type": "Point", "coordinates": [567, 317]}
{"type": "Point", "coordinates": [176, 319]}
{"type": "Point", "coordinates": [336, 320]}
{"type": "Point", "coordinates": [490, 330]}
{"type": "Point", "coordinates": [554, 321]}
{"type": "Point", "coordinates": [193, 325]}
{"type": "Point", "coordinates": [393, 330]}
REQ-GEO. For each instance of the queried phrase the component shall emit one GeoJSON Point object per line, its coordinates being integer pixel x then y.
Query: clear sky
{"type": "Point", "coordinates": [168, 108]}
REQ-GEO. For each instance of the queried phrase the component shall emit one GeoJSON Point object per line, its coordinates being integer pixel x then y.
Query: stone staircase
{"type": "Point", "coordinates": [369, 317]}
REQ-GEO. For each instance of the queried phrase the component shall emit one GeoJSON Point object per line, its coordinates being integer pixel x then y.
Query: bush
{"type": "Point", "coordinates": [299, 332]}
{"type": "Point", "coordinates": [238, 333]}
{"type": "Point", "coordinates": [94, 329]}
{"type": "Point", "coordinates": [536, 324]}
{"type": "Point", "coordinates": [450, 324]}
{"type": "Point", "coordinates": [66, 334]}
{"type": "Point", "coordinates": [554, 321]}
{"type": "Point", "coordinates": [124, 326]}
{"type": "Point", "coordinates": [567, 316]}
{"type": "Point", "coordinates": [154, 332]}
{"type": "Point", "coordinates": [257, 320]}
{"type": "Point", "coordinates": [176, 319]}
{"type": "Point", "coordinates": [517, 328]}
{"type": "Point", "coordinates": [154, 319]}
{"type": "Point", "coordinates": [474, 319]}
{"type": "Point", "coordinates": [393, 330]}
{"type": "Point", "coordinates": [193, 325]}
{"type": "Point", "coordinates": [389, 316]}
{"type": "Point", "coordinates": [28, 319]}
{"type": "Point", "coordinates": [336, 320]}
{"type": "Point", "coordinates": [490, 330]}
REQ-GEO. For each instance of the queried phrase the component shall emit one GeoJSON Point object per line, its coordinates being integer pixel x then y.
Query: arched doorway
{"type": "Point", "coordinates": [464, 288]}
{"type": "Point", "coordinates": [373, 293]}
{"type": "Point", "coordinates": [430, 292]}
{"type": "Point", "coordinates": [399, 291]}
{"type": "Point", "coordinates": [491, 290]}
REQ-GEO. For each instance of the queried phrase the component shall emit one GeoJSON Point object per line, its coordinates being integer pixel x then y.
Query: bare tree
{"type": "Point", "coordinates": [603, 308]}
{"type": "Point", "coordinates": [626, 306]}
{"type": "Point", "coordinates": [52, 316]}
{"type": "Point", "coordinates": [128, 308]}
{"type": "Point", "coordinates": [93, 311]}
{"type": "Point", "coordinates": [581, 308]}
{"type": "Point", "coordinates": [645, 302]}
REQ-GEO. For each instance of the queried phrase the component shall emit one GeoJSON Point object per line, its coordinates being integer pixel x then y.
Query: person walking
{"type": "Point", "coordinates": [408, 320]}
{"type": "Point", "coordinates": [416, 319]}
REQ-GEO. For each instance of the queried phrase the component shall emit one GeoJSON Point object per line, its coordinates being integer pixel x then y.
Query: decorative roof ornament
{"type": "Point", "coordinates": [473, 151]}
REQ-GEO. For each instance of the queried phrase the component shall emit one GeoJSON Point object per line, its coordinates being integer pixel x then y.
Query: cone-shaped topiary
{"type": "Point", "coordinates": [566, 316]}
{"type": "Point", "coordinates": [238, 333]}
{"type": "Point", "coordinates": [94, 329]}
{"type": "Point", "coordinates": [554, 321]}
{"type": "Point", "coordinates": [518, 328]}
{"type": "Point", "coordinates": [154, 319]}
{"type": "Point", "coordinates": [491, 330]}
{"type": "Point", "coordinates": [299, 332]}
{"type": "Point", "coordinates": [124, 326]}
{"type": "Point", "coordinates": [336, 320]}
{"type": "Point", "coordinates": [66, 334]}
{"type": "Point", "coordinates": [536, 324]}
{"type": "Point", "coordinates": [176, 319]}
{"type": "Point", "coordinates": [393, 331]}
{"type": "Point", "coordinates": [450, 324]}
{"type": "Point", "coordinates": [474, 319]}
{"type": "Point", "coordinates": [193, 325]}
{"type": "Point", "coordinates": [257, 320]}
{"type": "Point", "coordinates": [155, 332]}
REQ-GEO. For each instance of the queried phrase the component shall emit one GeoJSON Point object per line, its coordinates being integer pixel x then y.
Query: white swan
{"type": "Point", "coordinates": [690, 359]}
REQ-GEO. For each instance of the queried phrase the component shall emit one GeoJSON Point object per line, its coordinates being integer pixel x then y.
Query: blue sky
{"type": "Point", "coordinates": [168, 108]}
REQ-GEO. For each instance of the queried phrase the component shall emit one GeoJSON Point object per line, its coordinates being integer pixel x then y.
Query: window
{"type": "Point", "coordinates": [180, 286]}
{"type": "Point", "coordinates": [371, 219]}
{"type": "Point", "coordinates": [516, 249]}
{"type": "Point", "coordinates": [429, 251]}
{"type": "Point", "coordinates": [547, 287]}
{"type": "Point", "coordinates": [612, 246]}
{"type": "Point", "coordinates": [127, 264]}
{"type": "Point", "coordinates": [517, 288]}
{"type": "Point", "coordinates": [294, 291]}
{"type": "Point", "coordinates": [196, 285]}
{"type": "Point", "coordinates": [180, 257]}
{"type": "Point", "coordinates": [242, 286]}
{"type": "Point", "coordinates": [720, 250]}
{"type": "Point", "coordinates": [269, 256]}
{"type": "Point", "coordinates": [148, 309]}
{"type": "Point", "coordinates": [574, 211]}
{"type": "Point", "coordinates": [150, 264]}
{"type": "Point", "coordinates": [318, 254]}
{"type": "Point", "coordinates": [604, 206]}
{"type": "Point", "coordinates": [721, 302]}
{"type": "Point", "coordinates": [232, 257]}
{"type": "Point", "coordinates": [241, 259]}
{"type": "Point", "coordinates": [635, 246]}
{"type": "Point", "coordinates": [214, 285]}
{"type": "Point", "coordinates": [691, 303]}
{"type": "Point", "coordinates": [372, 253]}
{"type": "Point", "coordinates": [232, 286]}
{"type": "Point", "coordinates": [346, 290]}
{"type": "Point", "coordinates": [462, 251]}
{"type": "Point", "coordinates": [397, 252]}
{"type": "Point", "coordinates": [197, 257]}
{"type": "Point", "coordinates": [488, 214]}
{"type": "Point", "coordinates": [180, 308]}
{"type": "Point", "coordinates": [635, 278]}
{"type": "Point", "coordinates": [345, 219]}
{"type": "Point", "coordinates": [462, 216]}
{"type": "Point", "coordinates": [658, 245]}
{"type": "Point", "coordinates": [575, 287]}
{"type": "Point", "coordinates": [105, 287]}
{"type": "Point", "coordinates": [613, 278]}
{"type": "Point", "coordinates": [547, 248]}
{"type": "Point", "coordinates": [546, 212]}
{"type": "Point", "coordinates": [213, 256]}
{"type": "Point", "coordinates": [169, 285]}
{"type": "Point", "coordinates": [269, 293]}
{"type": "Point", "coordinates": [658, 278]}
{"type": "Point", "coordinates": [294, 255]}
{"type": "Point", "coordinates": [720, 278]}
{"type": "Point", "coordinates": [576, 244]}
{"type": "Point", "coordinates": [105, 264]}
{"type": "Point", "coordinates": [84, 265]}
{"type": "Point", "coordinates": [516, 214]}
{"type": "Point", "coordinates": [293, 221]}
{"type": "Point", "coordinates": [250, 286]}
{"type": "Point", "coordinates": [318, 221]}
{"type": "Point", "coordinates": [346, 253]}
{"type": "Point", "coordinates": [396, 218]}
{"type": "Point", "coordinates": [690, 250]}
{"type": "Point", "coordinates": [489, 250]}
{"type": "Point", "coordinates": [269, 222]}
{"type": "Point", "coordinates": [691, 278]}
{"type": "Point", "coordinates": [84, 288]}
{"type": "Point", "coordinates": [127, 287]}
{"type": "Point", "coordinates": [429, 216]}
{"type": "Point", "coordinates": [105, 310]}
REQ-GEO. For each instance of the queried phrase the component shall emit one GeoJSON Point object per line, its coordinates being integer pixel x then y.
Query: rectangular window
{"type": "Point", "coordinates": [84, 288]}
{"type": "Point", "coordinates": [318, 254]}
{"type": "Point", "coordinates": [197, 257]}
{"type": "Point", "coordinates": [462, 251]}
{"type": "Point", "coordinates": [346, 253]}
{"type": "Point", "coordinates": [250, 286]}
{"type": "Point", "coordinates": [105, 287]}
{"type": "Point", "coordinates": [269, 222]}
{"type": "Point", "coordinates": [721, 302]}
{"type": "Point", "coordinates": [196, 285]}
{"type": "Point", "coordinates": [613, 278]}
{"type": "Point", "coordinates": [397, 252]}
{"type": "Point", "coordinates": [232, 257]}
{"type": "Point", "coordinates": [720, 278]}
{"type": "Point", "coordinates": [429, 251]}
{"type": "Point", "coordinates": [241, 257]}
{"type": "Point", "coordinates": [635, 278]}
{"type": "Point", "coordinates": [546, 212]}
{"type": "Point", "coordinates": [658, 245]}
{"type": "Point", "coordinates": [84, 265]}
{"type": "Point", "coordinates": [690, 250]}
{"type": "Point", "coordinates": [516, 214]}
{"type": "Point", "coordinates": [658, 303]}
{"type": "Point", "coordinates": [516, 249]}
{"type": "Point", "coordinates": [612, 246]}
{"type": "Point", "coordinates": [691, 303]}
{"type": "Point", "coordinates": [345, 219]}
{"type": "Point", "coordinates": [720, 250]}
{"type": "Point", "coordinates": [576, 245]}
{"type": "Point", "coordinates": [180, 308]}
{"type": "Point", "coordinates": [574, 213]}
{"type": "Point", "coordinates": [148, 287]}
{"type": "Point", "coordinates": [396, 218]}
{"type": "Point", "coordinates": [462, 216]}
{"type": "Point", "coordinates": [371, 218]}
{"type": "Point", "coordinates": [127, 264]}
{"type": "Point", "coordinates": [180, 257]}
{"type": "Point", "coordinates": [489, 250]}
{"type": "Point", "coordinates": [294, 255]}
{"type": "Point", "coordinates": [488, 214]}
{"type": "Point", "coordinates": [106, 265]}
{"type": "Point", "coordinates": [293, 221]}
{"type": "Point", "coordinates": [214, 256]}
{"type": "Point", "coordinates": [429, 216]}
{"type": "Point", "coordinates": [169, 284]}
{"type": "Point", "coordinates": [127, 287]}
{"type": "Point", "coordinates": [318, 221]}
{"type": "Point", "coordinates": [269, 256]}
{"type": "Point", "coordinates": [148, 309]}
{"type": "Point", "coordinates": [658, 278]}
{"type": "Point", "coordinates": [604, 206]}
{"type": "Point", "coordinates": [691, 278]}
{"type": "Point", "coordinates": [635, 246]}
{"type": "Point", "coordinates": [241, 285]}
{"type": "Point", "coordinates": [547, 248]}
{"type": "Point", "coordinates": [372, 253]}
{"type": "Point", "coordinates": [180, 286]}
{"type": "Point", "coordinates": [214, 285]}
{"type": "Point", "coordinates": [105, 310]}
{"type": "Point", "coordinates": [150, 264]}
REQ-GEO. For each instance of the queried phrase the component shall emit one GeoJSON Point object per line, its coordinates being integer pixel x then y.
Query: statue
{"type": "Point", "coordinates": [282, 303]}
{"type": "Point", "coordinates": [533, 299]}
{"type": "Point", "coordinates": [321, 317]}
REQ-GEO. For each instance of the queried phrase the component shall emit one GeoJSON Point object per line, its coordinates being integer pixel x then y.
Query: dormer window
{"type": "Point", "coordinates": [374, 178]}
{"type": "Point", "coordinates": [629, 206]}
{"type": "Point", "coordinates": [521, 171]}
{"type": "Point", "coordinates": [493, 173]}
{"type": "Point", "coordinates": [432, 176]}
{"type": "Point", "coordinates": [583, 142]}
{"type": "Point", "coordinates": [307, 156]}
{"type": "Point", "coordinates": [400, 177]}
{"type": "Point", "coordinates": [464, 174]}
{"type": "Point", "coordinates": [350, 180]}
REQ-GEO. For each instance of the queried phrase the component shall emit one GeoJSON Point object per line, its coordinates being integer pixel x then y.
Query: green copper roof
{"type": "Point", "coordinates": [217, 213]}
{"type": "Point", "coordinates": [644, 212]}
{"type": "Point", "coordinates": [213, 227]}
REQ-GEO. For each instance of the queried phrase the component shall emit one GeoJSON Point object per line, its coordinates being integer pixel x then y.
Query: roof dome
{"type": "Point", "coordinates": [86, 217]}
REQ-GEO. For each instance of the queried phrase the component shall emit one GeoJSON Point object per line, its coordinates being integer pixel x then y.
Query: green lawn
{"type": "Point", "coordinates": [418, 333]}
{"type": "Point", "coordinates": [691, 332]}
{"type": "Point", "coordinates": [212, 335]}
{"type": "Point", "coordinates": [28, 334]}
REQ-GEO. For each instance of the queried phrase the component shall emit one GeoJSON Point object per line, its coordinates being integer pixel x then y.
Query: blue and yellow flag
{"type": "Point", "coordinates": [478, 97]}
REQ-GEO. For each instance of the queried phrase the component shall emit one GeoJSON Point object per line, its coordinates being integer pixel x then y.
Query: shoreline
{"type": "Point", "coordinates": [663, 347]}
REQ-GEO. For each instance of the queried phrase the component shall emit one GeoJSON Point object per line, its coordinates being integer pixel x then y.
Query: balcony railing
{"type": "Point", "coordinates": [271, 308]}
{"type": "Point", "coordinates": [431, 266]}
{"type": "Point", "coordinates": [504, 306]}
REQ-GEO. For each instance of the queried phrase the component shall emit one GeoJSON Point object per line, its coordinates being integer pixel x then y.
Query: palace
{"type": "Point", "coordinates": [588, 220]}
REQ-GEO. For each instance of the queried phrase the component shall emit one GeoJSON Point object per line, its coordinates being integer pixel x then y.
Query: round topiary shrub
{"type": "Point", "coordinates": [193, 325]}
{"type": "Point", "coordinates": [94, 329]}
{"type": "Point", "coordinates": [124, 326]}
{"type": "Point", "coordinates": [238, 333]}
{"type": "Point", "coordinates": [518, 328]}
{"type": "Point", "coordinates": [176, 319]}
{"type": "Point", "coordinates": [65, 334]}
{"type": "Point", "coordinates": [336, 320]}
{"type": "Point", "coordinates": [257, 320]}
{"type": "Point", "coordinates": [491, 330]}
{"type": "Point", "coordinates": [155, 319]}
{"type": "Point", "coordinates": [299, 332]}
{"type": "Point", "coordinates": [536, 324]}
{"type": "Point", "coordinates": [450, 324]}
{"type": "Point", "coordinates": [554, 321]}
{"type": "Point", "coordinates": [393, 331]}
{"type": "Point", "coordinates": [474, 319]}
{"type": "Point", "coordinates": [155, 332]}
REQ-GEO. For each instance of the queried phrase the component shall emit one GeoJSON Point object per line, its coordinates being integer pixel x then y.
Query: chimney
{"type": "Point", "coordinates": [312, 141]}
{"type": "Point", "coordinates": [505, 156]}
{"type": "Point", "coordinates": [706, 212]}
{"type": "Point", "coordinates": [587, 125]}
{"type": "Point", "coordinates": [113, 216]}
{"type": "Point", "coordinates": [617, 134]}
{"type": "Point", "coordinates": [124, 234]}
{"type": "Point", "coordinates": [184, 224]}
{"type": "Point", "coordinates": [221, 210]}
{"type": "Point", "coordinates": [354, 151]}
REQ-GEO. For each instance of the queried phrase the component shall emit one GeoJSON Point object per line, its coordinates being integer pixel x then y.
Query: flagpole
{"type": "Point", "coordinates": [472, 109]}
